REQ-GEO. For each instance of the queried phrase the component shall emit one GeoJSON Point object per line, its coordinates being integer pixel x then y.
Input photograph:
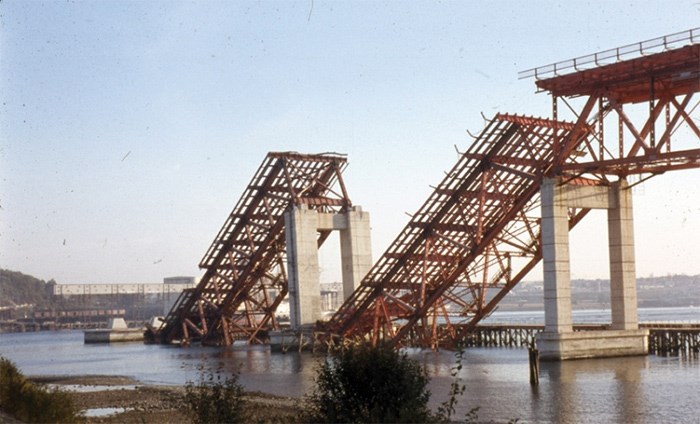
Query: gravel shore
{"type": "Point", "coordinates": [132, 402]}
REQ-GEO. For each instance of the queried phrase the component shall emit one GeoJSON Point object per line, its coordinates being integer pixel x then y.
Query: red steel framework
{"type": "Point", "coordinates": [478, 234]}
{"type": "Point", "coordinates": [245, 278]}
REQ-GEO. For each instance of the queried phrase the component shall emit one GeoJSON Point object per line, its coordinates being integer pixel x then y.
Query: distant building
{"type": "Point", "coordinates": [162, 295]}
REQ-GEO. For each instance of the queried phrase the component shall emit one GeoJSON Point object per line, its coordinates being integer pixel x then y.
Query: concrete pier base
{"type": "Point", "coordinates": [592, 344]}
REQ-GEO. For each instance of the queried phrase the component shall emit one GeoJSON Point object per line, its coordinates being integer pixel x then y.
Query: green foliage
{"type": "Point", "coordinates": [447, 408]}
{"type": "Point", "coordinates": [366, 384]}
{"type": "Point", "coordinates": [215, 399]}
{"type": "Point", "coordinates": [19, 289]}
{"type": "Point", "coordinates": [30, 403]}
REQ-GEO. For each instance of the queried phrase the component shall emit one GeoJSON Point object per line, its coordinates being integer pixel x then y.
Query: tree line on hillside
{"type": "Point", "coordinates": [19, 289]}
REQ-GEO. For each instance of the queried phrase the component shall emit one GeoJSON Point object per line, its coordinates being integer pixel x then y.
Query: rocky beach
{"type": "Point", "coordinates": [114, 399]}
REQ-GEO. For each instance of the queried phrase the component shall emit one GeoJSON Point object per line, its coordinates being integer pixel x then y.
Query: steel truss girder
{"type": "Point", "coordinates": [637, 149]}
{"type": "Point", "coordinates": [245, 276]}
{"type": "Point", "coordinates": [470, 257]}
{"type": "Point", "coordinates": [478, 233]}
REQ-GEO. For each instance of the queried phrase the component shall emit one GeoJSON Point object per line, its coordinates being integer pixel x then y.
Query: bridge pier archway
{"type": "Point", "coordinates": [301, 226]}
{"type": "Point", "coordinates": [559, 341]}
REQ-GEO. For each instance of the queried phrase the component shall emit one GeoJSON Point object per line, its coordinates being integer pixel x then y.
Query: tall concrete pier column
{"type": "Point", "coordinates": [302, 266]}
{"type": "Point", "coordinates": [555, 255]}
{"type": "Point", "coordinates": [301, 232]}
{"type": "Point", "coordinates": [355, 249]}
{"type": "Point", "coordinates": [623, 282]}
{"type": "Point", "coordinates": [558, 341]}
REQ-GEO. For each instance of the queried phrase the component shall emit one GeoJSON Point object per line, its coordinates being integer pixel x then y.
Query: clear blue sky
{"type": "Point", "coordinates": [129, 129]}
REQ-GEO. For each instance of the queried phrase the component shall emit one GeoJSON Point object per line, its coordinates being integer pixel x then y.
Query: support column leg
{"type": "Point", "coordinates": [355, 250]}
{"type": "Point", "coordinates": [302, 266]}
{"type": "Point", "coordinates": [623, 281]}
{"type": "Point", "coordinates": [555, 255]}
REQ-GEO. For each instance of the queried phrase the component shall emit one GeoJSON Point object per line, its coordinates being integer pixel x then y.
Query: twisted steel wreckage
{"type": "Point", "coordinates": [481, 230]}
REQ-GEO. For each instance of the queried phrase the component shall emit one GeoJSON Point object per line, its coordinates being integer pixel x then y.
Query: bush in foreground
{"type": "Point", "coordinates": [365, 384]}
{"type": "Point", "coordinates": [31, 403]}
{"type": "Point", "coordinates": [215, 399]}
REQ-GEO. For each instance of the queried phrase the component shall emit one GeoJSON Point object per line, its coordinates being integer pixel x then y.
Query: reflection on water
{"type": "Point", "coordinates": [640, 389]}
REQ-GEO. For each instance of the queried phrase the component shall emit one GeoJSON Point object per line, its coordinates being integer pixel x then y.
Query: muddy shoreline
{"type": "Point", "coordinates": [133, 402]}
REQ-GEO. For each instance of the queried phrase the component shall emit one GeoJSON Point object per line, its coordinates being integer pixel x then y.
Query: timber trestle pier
{"type": "Point", "coordinates": [664, 339]}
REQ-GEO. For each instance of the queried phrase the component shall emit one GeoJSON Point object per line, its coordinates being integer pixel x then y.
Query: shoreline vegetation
{"type": "Point", "coordinates": [358, 383]}
{"type": "Point", "coordinates": [134, 402]}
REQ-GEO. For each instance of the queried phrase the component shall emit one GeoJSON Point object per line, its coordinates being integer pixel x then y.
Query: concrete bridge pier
{"type": "Point", "coordinates": [559, 341]}
{"type": "Point", "coordinates": [301, 227]}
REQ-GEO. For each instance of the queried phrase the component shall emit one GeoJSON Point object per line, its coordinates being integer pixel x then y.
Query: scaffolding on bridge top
{"type": "Point", "coordinates": [615, 55]}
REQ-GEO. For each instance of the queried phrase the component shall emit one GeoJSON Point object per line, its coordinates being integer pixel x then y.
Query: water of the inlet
{"type": "Point", "coordinates": [649, 389]}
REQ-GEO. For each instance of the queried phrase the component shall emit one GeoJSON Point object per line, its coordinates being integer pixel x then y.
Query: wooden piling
{"type": "Point", "coordinates": [534, 356]}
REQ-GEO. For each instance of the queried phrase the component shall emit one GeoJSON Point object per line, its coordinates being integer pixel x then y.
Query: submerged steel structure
{"type": "Point", "coordinates": [245, 275]}
{"type": "Point", "coordinates": [630, 113]}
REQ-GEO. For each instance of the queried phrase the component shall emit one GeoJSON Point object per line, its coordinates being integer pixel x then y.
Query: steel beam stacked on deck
{"type": "Point", "coordinates": [245, 279]}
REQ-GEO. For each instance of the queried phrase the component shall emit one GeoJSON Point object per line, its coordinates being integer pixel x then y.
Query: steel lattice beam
{"type": "Point", "coordinates": [245, 277]}
{"type": "Point", "coordinates": [478, 234]}
{"type": "Point", "coordinates": [475, 234]}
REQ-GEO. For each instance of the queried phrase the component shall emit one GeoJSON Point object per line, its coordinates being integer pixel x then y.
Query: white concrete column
{"type": "Point", "coordinates": [302, 266]}
{"type": "Point", "coordinates": [555, 255]}
{"type": "Point", "coordinates": [355, 249]}
{"type": "Point", "coordinates": [623, 281]}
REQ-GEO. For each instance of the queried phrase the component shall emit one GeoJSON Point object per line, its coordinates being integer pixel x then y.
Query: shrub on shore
{"type": "Point", "coordinates": [33, 403]}
{"type": "Point", "coordinates": [215, 399]}
{"type": "Point", "coordinates": [366, 384]}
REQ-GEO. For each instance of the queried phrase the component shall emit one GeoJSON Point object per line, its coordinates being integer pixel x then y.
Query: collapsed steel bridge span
{"type": "Point", "coordinates": [245, 276]}
{"type": "Point", "coordinates": [480, 231]}
{"type": "Point", "coordinates": [619, 114]}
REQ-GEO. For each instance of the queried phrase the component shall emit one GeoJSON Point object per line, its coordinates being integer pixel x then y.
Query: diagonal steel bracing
{"type": "Point", "coordinates": [245, 278]}
{"type": "Point", "coordinates": [476, 235]}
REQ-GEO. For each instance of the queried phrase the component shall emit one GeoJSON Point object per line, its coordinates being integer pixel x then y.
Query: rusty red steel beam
{"type": "Point", "coordinates": [482, 263]}
{"type": "Point", "coordinates": [247, 257]}
{"type": "Point", "coordinates": [504, 136]}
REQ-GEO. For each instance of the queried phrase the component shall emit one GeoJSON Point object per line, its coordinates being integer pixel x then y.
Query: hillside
{"type": "Point", "coordinates": [652, 292]}
{"type": "Point", "coordinates": [21, 289]}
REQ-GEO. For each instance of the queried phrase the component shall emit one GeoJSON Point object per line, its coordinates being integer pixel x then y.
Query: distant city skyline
{"type": "Point", "coordinates": [130, 129]}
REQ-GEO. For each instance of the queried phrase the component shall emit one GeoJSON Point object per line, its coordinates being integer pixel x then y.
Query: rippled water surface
{"type": "Point", "coordinates": [640, 389]}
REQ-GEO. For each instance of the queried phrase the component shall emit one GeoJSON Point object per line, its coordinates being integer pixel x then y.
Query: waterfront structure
{"type": "Point", "coordinates": [169, 285]}
{"type": "Point", "coordinates": [479, 233]}
{"type": "Point", "coordinates": [509, 201]}
{"type": "Point", "coordinates": [246, 267]}
{"type": "Point", "coordinates": [159, 297]}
